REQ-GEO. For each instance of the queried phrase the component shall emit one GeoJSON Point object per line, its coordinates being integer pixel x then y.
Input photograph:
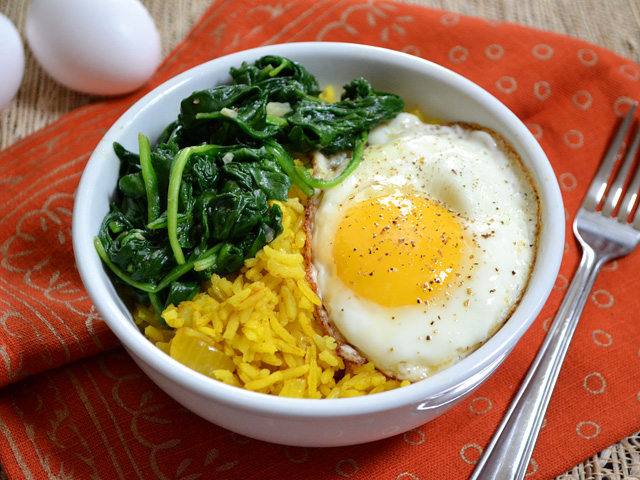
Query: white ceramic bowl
{"type": "Point", "coordinates": [436, 90]}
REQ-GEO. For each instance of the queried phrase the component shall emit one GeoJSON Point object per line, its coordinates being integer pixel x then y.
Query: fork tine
{"type": "Point", "coordinates": [615, 192]}
{"type": "Point", "coordinates": [629, 200]}
{"type": "Point", "coordinates": [599, 184]}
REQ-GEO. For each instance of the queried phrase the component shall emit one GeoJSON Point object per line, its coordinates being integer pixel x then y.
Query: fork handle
{"type": "Point", "coordinates": [508, 454]}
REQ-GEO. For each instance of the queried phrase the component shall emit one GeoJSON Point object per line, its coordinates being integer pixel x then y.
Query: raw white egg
{"type": "Point", "coordinates": [424, 251]}
{"type": "Point", "coordinates": [11, 61]}
{"type": "Point", "coordinates": [100, 47]}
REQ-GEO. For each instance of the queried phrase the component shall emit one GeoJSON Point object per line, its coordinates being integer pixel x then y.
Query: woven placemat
{"type": "Point", "coordinates": [40, 101]}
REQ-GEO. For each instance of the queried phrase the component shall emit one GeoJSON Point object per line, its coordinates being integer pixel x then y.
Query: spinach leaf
{"type": "Point", "coordinates": [271, 66]}
{"type": "Point", "coordinates": [335, 126]}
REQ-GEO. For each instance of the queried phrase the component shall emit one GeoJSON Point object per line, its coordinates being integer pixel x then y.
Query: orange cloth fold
{"type": "Point", "coordinates": [74, 404]}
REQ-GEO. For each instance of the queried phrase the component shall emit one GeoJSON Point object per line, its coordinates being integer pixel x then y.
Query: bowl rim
{"type": "Point", "coordinates": [550, 251]}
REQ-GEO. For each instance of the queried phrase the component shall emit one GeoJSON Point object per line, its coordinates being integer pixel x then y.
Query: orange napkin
{"type": "Point", "coordinates": [73, 405]}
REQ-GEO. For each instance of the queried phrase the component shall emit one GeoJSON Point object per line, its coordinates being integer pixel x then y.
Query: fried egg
{"type": "Point", "coordinates": [423, 252]}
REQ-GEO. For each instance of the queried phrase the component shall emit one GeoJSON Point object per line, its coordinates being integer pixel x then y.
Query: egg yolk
{"type": "Point", "coordinates": [398, 250]}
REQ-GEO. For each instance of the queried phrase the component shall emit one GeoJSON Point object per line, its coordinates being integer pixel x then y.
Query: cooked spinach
{"type": "Point", "coordinates": [197, 203]}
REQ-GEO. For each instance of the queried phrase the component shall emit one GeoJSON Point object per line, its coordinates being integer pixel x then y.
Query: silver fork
{"type": "Point", "coordinates": [605, 232]}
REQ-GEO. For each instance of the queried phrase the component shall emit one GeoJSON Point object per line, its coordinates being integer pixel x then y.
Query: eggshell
{"type": "Point", "coordinates": [11, 61]}
{"type": "Point", "coordinates": [100, 47]}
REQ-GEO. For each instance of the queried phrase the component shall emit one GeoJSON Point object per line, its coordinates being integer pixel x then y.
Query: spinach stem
{"type": "Point", "coordinates": [175, 273]}
{"type": "Point", "coordinates": [356, 158]}
{"type": "Point", "coordinates": [173, 196]}
{"type": "Point", "coordinates": [179, 270]}
{"type": "Point", "coordinates": [273, 120]}
{"type": "Point", "coordinates": [208, 258]}
{"type": "Point", "coordinates": [149, 178]}
{"type": "Point", "coordinates": [284, 63]}
{"type": "Point", "coordinates": [312, 98]}
{"type": "Point", "coordinates": [145, 287]}
{"type": "Point", "coordinates": [161, 222]}
{"type": "Point", "coordinates": [151, 288]}
{"type": "Point", "coordinates": [157, 306]}
{"type": "Point", "coordinates": [286, 162]}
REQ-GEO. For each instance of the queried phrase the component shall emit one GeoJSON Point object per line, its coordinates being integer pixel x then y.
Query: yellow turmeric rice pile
{"type": "Point", "coordinates": [257, 330]}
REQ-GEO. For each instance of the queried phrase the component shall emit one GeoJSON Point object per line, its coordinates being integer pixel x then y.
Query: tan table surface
{"type": "Point", "coordinates": [613, 24]}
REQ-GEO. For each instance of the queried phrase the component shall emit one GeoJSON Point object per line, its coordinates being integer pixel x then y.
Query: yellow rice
{"type": "Point", "coordinates": [258, 329]}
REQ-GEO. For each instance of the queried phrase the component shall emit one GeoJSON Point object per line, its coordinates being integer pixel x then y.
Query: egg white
{"type": "Point", "coordinates": [476, 177]}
